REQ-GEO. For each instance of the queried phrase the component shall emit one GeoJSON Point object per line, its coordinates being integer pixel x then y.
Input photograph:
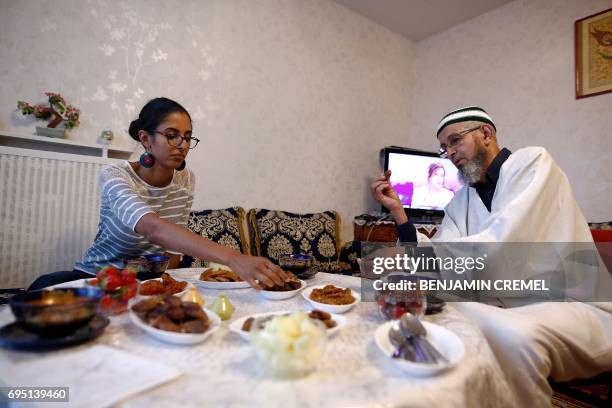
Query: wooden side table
{"type": "Point", "coordinates": [375, 231]}
{"type": "Point", "coordinates": [385, 231]}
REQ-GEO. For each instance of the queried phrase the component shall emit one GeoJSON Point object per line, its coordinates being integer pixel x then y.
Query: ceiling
{"type": "Point", "coordinates": [418, 19]}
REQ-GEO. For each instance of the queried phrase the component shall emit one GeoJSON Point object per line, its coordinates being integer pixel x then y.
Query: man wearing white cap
{"type": "Point", "coordinates": [515, 197]}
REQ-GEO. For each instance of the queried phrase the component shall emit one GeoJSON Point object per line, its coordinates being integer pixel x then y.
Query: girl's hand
{"type": "Point", "coordinates": [256, 270]}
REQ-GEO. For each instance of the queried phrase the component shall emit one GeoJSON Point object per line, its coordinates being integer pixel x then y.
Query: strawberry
{"type": "Point", "coordinates": [127, 276]}
{"type": "Point", "coordinates": [398, 311]}
{"type": "Point", "coordinates": [107, 300]}
{"type": "Point", "coordinates": [112, 271]}
{"type": "Point", "coordinates": [382, 299]}
{"type": "Point", "coordinates": [129, 293]}
{"type": "Point", "coordinates": [113, 282]}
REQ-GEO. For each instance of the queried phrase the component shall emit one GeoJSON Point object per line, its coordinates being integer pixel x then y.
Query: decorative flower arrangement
{"type": "Point", "coordinates": [58, 111]}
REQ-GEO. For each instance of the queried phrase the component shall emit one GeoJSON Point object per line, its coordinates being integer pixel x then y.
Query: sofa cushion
{"type": "Point", "coordinates": [275, 233]}
{"type": "Point", "coordinates": [350, 252]}
{"type": "Point", "coordinates": [225, 226]}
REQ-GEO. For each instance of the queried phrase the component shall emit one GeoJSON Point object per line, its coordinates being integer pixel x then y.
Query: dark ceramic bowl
{"type": "Point", "coordinates": [159, 263]}
{"type": "Point", "coordinates": [56, 312]}
{"type": "Point", "coordinates": [149, 266]}
{"type": "Point", "coordinates": [299, 264]}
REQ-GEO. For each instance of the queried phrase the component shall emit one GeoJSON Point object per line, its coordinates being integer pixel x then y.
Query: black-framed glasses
{"type": "Point", "coordinates": [175, 139]}
{"type": "Point", "coordinates": [454, 140]}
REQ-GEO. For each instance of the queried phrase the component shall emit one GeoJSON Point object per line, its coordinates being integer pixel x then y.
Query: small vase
{"type": "Point", "coordinates": [51, 132]}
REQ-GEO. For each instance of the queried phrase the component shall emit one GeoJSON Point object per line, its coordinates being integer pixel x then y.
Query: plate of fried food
{"type": "Point", "coordinates": [221, 277]}
{"type": "Point", "coordinates": [285, 291]}
{"type": "Point", "coordinates": [166, 285]}
{"type": "Point", "coordinates": [170, 319]}
{"type": "Point", "coordinates": [331, 298]}
{"type": "Point", "coordinates": [245, 325]}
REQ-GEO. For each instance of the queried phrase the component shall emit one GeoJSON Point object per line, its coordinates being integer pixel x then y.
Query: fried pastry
{"type": "Point", "coordinates": [164, 323]}
{"type": "Point", "coordinates": [147, 304]}
{"type": "Point", "coordinates": [248, 323]}
{"type": "Point", "coordinates": [170, 313]}
{"type": "Point", "coordinates": [293, 284]}
{"type": "Point", "coordinates": [151, 288]}
{"type": "Point", "coordinates": [332, 295]}
{"type": "Point", "coordinates": [320, 315]}
{"type": "Point", "coordinates": [194, 326]}
{"type": "Point", "coordinates": [323, 317]}
{"type": "Point", "coordinates": [220, 275]}
{"type": "Point", "coordinates": [167, 286]}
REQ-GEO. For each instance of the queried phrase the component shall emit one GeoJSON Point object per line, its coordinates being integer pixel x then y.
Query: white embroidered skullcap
{"type": "Point", "coordinates": [464, 115]}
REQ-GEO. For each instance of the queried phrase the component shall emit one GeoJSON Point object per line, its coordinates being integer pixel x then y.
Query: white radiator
{"type": "Point", "coordinates": [49, 211]}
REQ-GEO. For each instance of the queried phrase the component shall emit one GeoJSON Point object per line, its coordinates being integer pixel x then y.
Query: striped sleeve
{"type": "Point", "coordinates": [123, 201]}
{"type": "Point", "coordinates": [189, 184]}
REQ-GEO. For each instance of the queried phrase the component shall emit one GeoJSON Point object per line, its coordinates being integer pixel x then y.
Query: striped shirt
{"type": "Point", "coordinates": [125, 199]}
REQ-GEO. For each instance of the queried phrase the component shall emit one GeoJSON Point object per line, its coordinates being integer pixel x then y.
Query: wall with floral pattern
{"type": "Point", "coordinates": [292, 99]}
{"type": "Point", "coordinates": [517, 62]}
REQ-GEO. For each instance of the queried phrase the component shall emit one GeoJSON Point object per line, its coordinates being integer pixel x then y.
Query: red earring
{"type": "Point", "coordinates": [147, 160]}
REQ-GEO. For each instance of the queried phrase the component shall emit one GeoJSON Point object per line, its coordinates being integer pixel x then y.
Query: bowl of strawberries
{"type": "Point", "coordinates": [119, 286]}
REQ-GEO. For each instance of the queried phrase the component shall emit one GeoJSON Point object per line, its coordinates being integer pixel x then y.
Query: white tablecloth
{"type": "Point", "coordinates": [224, 372]}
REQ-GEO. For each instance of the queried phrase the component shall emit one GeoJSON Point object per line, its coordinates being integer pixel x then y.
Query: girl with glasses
{"type": "Point", "coordinates": [145, 205]}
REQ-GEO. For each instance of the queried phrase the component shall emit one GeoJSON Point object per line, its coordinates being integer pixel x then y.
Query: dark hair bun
{"type": "Point", "coordinates": [135, 127]}
{"type": "Point", "coordinates": [152, 114]}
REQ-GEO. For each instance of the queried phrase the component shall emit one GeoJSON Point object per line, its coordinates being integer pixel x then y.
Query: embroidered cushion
{"type": "Point", "coordinates": [275, 233]}
{"type": "Point", "coordinates": [225, 226]}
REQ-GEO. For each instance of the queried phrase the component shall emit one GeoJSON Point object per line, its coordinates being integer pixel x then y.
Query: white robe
{"type": "Point", "coordinates": [533, 203]}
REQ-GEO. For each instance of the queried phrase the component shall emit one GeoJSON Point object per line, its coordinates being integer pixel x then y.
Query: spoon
{"type": "Point", "coordinates": [411, 325]}
{"type": "Point", "coordinates": [420, 354]}
{"type": "Point", "coordinates": [402, 348]}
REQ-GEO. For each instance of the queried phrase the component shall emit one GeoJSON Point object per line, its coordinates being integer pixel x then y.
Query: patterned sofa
{"type": "Point", "coordinates": [272, 233]}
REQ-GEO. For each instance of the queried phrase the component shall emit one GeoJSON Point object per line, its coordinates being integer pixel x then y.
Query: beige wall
{"type": "Point", "coordinates": [518, 63]}
{"type": "Point", "coordinates": [292, 99]}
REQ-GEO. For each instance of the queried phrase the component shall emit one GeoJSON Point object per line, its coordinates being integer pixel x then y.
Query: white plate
{"type": "Point", "coordinates": [219, 285]}
{"type": "Point", "coordinates": [178, 338]}
{"type": "Point", "coordinates": [185, 273]}
{"type": "Point", "coordinates": [447, 343]}
{"type": "Point", "coordinates": [330, 308]}
{"type": "Point", "coordinates": [179, 294]}
{"type": "Point", "coordinates": [281, 295]}
{"type": "Point", "coordinates": [236, 326]}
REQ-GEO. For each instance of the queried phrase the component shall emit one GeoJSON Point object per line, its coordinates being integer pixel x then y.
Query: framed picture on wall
{"type": "Point", "coordinates": [594, 54]}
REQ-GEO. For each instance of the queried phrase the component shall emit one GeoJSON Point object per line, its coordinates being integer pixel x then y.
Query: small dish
{"type": "Point", "coordinates": [149, 266]}
{"type": "Point", "coordinates": [298, 264]}
{"type": "Point", "coordinates": [236, 326]}
{"type": "Point", "coordinates": [14, 336]}
{"type": "Point", "coordinates": [178, 338]}
{"type": "Point", "coordinates": [222, 285]}
{"type": "Point", "coordinates": [447, 343]}
{"type": "Point", "coordinates": [282, 295]}
{"type": "Point", "coordinates": [179, 294]}
{"type": "Point", "coordinates": [205, 284]}
{"type": "Point", "coordinates": [188, 274]}
{"type": "Point", "coordinates": [336, 309]}
{"type": "Point", "coordinates": [56, 312]}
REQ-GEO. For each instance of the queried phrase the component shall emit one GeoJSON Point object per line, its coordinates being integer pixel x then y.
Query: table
{"type": "Point", "coordinates": [223, 371]}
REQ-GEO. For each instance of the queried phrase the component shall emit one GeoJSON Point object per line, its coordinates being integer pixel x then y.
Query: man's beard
{"type": "Point", "coordinates": [471, 171]}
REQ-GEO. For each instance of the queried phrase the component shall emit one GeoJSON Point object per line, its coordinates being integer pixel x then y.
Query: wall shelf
{"type": "Point", "coordinates": [26, 141]}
